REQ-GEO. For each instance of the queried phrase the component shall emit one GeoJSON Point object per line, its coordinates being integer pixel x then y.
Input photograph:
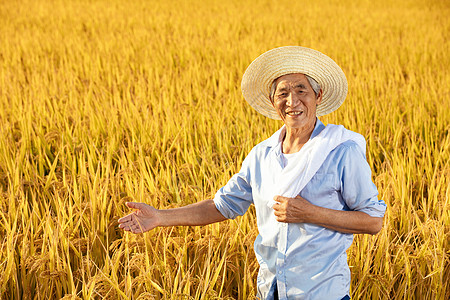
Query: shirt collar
{"type": "Point", "coordinates": [275, 139]}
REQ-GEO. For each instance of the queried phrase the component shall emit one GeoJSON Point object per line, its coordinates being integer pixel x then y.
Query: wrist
{"type": "Point", "coordinates": [313, 214]}
{"type": "Point", "coordinates": [161, 218]}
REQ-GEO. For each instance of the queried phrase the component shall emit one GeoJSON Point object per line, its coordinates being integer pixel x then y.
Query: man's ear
{"type": "Point", "coordinates": [319, 97]}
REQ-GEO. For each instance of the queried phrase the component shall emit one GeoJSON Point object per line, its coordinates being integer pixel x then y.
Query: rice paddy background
{"type": "Point", "coordinates": [103, 102]}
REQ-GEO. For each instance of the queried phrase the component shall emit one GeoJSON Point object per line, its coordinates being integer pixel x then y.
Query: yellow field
{"type": "Point", "coordinates": [102, 102]}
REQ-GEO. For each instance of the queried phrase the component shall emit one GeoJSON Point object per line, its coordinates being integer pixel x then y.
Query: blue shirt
{"type": "Point", "coordinates": [306, 261]}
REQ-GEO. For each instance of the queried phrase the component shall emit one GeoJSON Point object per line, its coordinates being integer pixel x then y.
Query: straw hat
{"type": "Point", "coordinates": [261, 73]}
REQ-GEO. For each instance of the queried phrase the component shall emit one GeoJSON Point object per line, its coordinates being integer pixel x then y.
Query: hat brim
{"type": "Point", "coordinates": [261, 73]}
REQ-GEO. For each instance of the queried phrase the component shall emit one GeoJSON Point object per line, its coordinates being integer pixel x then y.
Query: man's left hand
{"type": "Point", "coordinates": [292, 210]}
{"type": "Point", "coordinates": [300, 210]}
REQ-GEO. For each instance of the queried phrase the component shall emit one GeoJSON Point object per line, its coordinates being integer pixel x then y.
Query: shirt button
{"type": "Point", "coordinates": [284, 224]}
{"type": "Point", "coordinates": [280, 272]}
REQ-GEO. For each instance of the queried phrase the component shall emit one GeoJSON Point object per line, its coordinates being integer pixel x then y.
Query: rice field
{"type": "Point", "coordinates": [103, 102]}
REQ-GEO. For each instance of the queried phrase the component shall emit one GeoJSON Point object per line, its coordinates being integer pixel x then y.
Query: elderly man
{"type": "Point", "coordinates": [310, 184]}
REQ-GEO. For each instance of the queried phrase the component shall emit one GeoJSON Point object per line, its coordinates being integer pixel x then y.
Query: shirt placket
{"type": "Point", "coordinates": [281, 261]}
{"type": "Point", "coordinates": [281, 245]}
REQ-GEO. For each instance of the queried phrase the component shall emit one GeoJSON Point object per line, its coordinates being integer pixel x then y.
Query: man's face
{"type": "Point", "coordinates": [295, 101]}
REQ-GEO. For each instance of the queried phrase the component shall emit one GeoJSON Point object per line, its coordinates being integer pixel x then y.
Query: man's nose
{"type": "Point", "coordinates": [292, 100]}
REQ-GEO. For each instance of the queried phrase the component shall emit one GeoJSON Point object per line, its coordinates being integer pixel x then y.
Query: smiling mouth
{"type": "Point", "coordinates": [294, 113]}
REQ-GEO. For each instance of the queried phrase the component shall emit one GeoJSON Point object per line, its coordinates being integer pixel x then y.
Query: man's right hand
{"type": "Point", "coordinates": [143, 219]}
{"type": "Point", "coordinates": [146, 217]}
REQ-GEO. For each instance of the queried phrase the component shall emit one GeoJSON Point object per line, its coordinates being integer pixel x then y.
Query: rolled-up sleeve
{"type": "Point", "coordinates": [357, 188]}
{"type": "Point", "coordinates": [235, 197]}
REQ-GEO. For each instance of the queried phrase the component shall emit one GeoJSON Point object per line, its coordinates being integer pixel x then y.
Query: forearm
{"type": "Point", "coordinates": [345, 221]}
{"type": "Point", "coordinates": [200, 213]}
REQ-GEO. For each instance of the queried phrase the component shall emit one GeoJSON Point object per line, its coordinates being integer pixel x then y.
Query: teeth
{"type": "Point", "coordinates": [295, 113]}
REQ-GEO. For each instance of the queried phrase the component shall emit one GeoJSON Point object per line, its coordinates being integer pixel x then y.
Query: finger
{"type": "Point", "coordinates": [276, 206]}
{"type": "Point", "coordinates": [131, 228]}
{"type": "Point", "coordinates": [279, 214]}
{"type": "Point", "coordinates": [279, 199]}
{"type": "Point", "coordinates": [279, 204]}
{"type": "Point", "coordinates": [126, 224]}
{"type": "Point", "coordinates": [136, 229]}
{"type": "Point", "coordinates": [126, 228]}
{"type": "Point", "coordinates": [135, 205]}
{"type": "Point", "coordinates": [126, 218]}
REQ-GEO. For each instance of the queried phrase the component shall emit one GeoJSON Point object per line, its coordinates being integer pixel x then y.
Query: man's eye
{"type": "Point", "coordinates": [282, 95]}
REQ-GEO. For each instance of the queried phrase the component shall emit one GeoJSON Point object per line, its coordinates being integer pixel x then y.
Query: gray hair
{"type": "Point", "coordinates": [314, 84]}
